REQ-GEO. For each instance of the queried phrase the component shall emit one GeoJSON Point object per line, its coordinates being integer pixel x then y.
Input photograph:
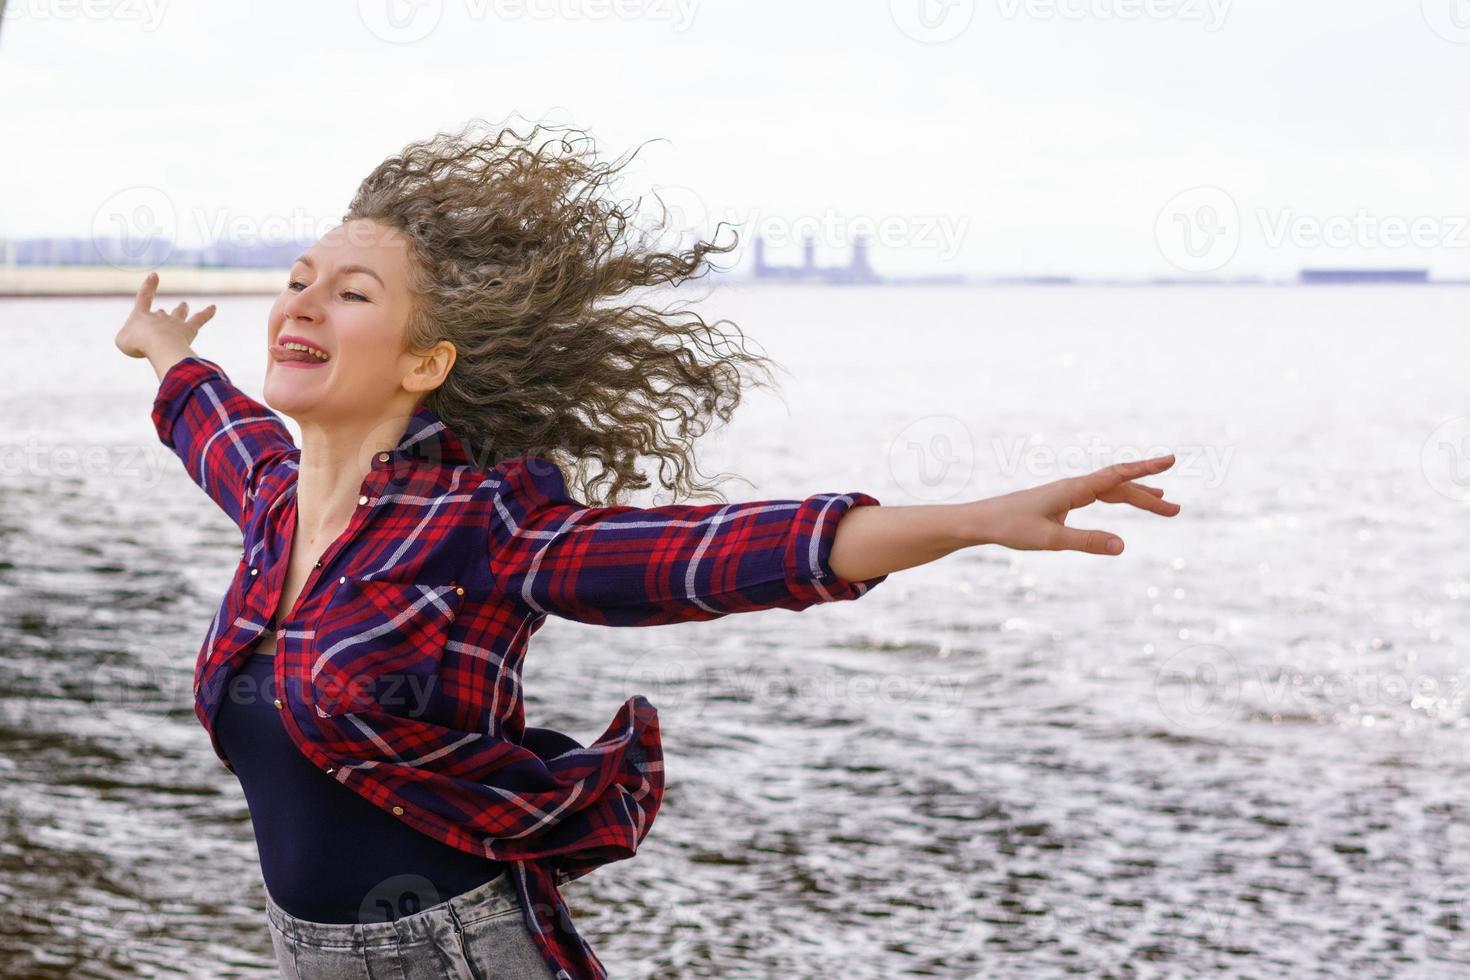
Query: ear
{"type": "Point", "coordinates": [431, 368]}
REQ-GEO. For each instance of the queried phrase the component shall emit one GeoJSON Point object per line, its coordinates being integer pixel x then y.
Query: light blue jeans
{"type": "Point", "coordinates": [476, 935]}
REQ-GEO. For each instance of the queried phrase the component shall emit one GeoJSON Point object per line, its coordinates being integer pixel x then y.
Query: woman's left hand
{"type": "Point", "coordinates": [1035, 519]}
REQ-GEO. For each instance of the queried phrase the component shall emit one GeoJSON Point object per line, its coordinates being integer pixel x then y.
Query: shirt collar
{"type": "Point", "coordinates": [429, 438]}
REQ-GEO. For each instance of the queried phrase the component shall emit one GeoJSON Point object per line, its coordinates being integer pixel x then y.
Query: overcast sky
{"type": "Point", "coordinates": [1091, 137]}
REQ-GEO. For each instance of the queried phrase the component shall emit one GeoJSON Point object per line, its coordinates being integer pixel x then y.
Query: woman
{"type": "Point", "coordinates": [441, 350]}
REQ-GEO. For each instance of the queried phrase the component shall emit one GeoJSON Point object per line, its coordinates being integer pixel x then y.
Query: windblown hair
{"type": "Point", "coordinates": [515, 251]}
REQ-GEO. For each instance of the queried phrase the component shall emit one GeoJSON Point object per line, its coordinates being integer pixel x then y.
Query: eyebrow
{"type": "Point", "coordinates": [304, 260]}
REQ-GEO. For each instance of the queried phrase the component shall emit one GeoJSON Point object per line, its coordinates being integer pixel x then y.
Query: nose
{"type": "Point", "coordinates": [303, 305]}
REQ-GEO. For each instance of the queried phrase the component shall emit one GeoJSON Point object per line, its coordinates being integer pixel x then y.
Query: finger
{"type": "Point", "coordinates": [1092, 542]}
{"type": "Point", "coordinates": [1110, 476]}
{"type": "Point", "coordinates": [181, 310]}
{"type": "Point", "coordinates": [1137, 496]}
{"type": "Point", "coordinates": [1113, 496]}
{"type": "Point", "coordinates": [202, 317]}
{"type": "Point", "coordinates": [144, 301]}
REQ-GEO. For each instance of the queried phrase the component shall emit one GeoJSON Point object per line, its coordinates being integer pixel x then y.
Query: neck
{"type": "Point", "coordinates": [336, 458]}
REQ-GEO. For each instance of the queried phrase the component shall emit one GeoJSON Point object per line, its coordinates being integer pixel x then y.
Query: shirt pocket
{"type": "Point", "coordinates": [378, 646]}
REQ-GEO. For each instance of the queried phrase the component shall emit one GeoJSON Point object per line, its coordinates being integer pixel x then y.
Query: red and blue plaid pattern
{"type": "Point", "coordinates": [400, 664]}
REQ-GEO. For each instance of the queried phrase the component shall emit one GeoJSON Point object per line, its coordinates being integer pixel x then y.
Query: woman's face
{"type": "Point", "coordinates": [348, 296]}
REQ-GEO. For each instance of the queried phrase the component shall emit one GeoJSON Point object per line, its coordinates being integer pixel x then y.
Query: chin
{"type": "Point", "coordinates": [289, 395]}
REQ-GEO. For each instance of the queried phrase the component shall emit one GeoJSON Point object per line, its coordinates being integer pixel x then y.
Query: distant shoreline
{"type": "Point", "coordinates": [90, 280]}
{"type": "Point", "coordinates": [27, 281]}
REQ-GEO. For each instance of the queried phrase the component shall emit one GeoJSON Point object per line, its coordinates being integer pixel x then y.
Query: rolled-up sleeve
{"type": "Point", "coordinates": [646, 566]}
{"type": "Point", "coordinates": [225, 439]}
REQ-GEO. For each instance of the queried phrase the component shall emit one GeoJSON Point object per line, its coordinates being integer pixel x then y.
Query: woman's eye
{"type": "Point", "coordinates": [294, 283]}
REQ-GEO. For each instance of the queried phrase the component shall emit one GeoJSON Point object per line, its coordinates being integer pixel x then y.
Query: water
{"type": "Point", "coordinates": [1237, 750]}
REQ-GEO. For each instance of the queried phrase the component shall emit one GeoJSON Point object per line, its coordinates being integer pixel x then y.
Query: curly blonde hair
{"type": "Point", "coordinates": [514, 252]}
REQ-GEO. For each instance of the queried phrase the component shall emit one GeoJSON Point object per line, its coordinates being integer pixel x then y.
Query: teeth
{"type": "Point", "coordinates": [292, 345]}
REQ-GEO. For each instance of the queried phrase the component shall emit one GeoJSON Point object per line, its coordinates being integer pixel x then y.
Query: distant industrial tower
{"type": "Point", "coordinates": [857, 271]}
{"type": "Point", "coordinates": [858, 267]}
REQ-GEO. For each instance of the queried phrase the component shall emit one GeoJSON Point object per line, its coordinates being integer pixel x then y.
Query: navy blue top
{"type": "Point", "coordinates": [327, 854]}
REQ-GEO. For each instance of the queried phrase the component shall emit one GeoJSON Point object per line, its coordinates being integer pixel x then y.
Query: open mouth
{"type": "Point", "coordinates": [298, 353]}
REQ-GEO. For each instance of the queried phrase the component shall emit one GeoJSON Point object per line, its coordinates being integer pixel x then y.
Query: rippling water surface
{"type": "Point", "coordinates": [1237, 750]}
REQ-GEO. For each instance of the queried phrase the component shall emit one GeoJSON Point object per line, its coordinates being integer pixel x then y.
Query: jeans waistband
{"type": "Point", "coordinates": [495, 897]}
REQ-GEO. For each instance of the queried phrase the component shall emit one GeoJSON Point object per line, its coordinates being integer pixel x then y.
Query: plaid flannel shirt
{"type": "Point", "coordinates": [400, 665]}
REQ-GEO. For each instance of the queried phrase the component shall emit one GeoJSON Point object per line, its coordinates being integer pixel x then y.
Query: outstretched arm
{"type": "Point", "coordinates": [225, 439]}
{"type": "Point", "coordinates": [880, 540]}
{"type": "Point", "coordinates": [645, 566]}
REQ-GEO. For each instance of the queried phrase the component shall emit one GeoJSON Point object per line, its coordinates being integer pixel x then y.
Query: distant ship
{"type": "Point", "coordinates": [1318, 277]}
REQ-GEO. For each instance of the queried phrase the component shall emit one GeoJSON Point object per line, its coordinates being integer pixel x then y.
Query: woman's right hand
{"type": "Point", "coordinates": [148, 331]}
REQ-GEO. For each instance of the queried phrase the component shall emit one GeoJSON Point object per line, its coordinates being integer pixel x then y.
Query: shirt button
{"type": "Point", "coordinates": [255, 571]}
{"type": "Point", "coordinates": [362, 499]}
{"type": "Point", "coordinates": [278, 703]}
{"type": "Point", "coordinates": [382, 457]}
{"type": "Point", "coordinates": [342, 580]}
{"type": "Point", "coordinates": [330, 770]}
{"type": "Point", "coordinates": [318, 563]}
{"type": "Point", "coordinates": [459, 590]}
{"type": "Point", "coordinates": [398, 811]}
